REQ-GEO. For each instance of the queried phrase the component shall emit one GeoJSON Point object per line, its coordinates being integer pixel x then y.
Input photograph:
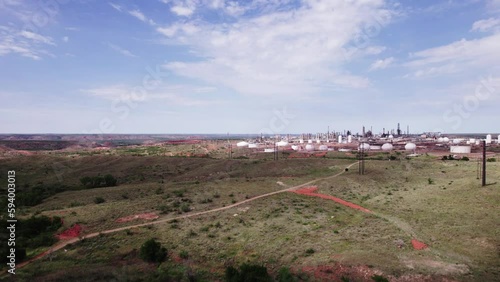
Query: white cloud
{"type": "Point", "coordinates": [65, 39]}
{"type": "Point", "coordinates": [460, 56]}
{"type": "Point", "coordinates": [381, 64]}
{"type": "Point", "coordinates": [139, 15]}
{"type": "Point", "coordinates": [120, 50]}
{"type": "Point", "coordinates": [182, 10]}
{"type": "Point", "coordinates": [486, 25]}
{"type": "Point", "coordinates": [179, 95]}
{"type": "Point", "coordinates": [286, 52]}
{"type": "Point", "coordinates": [116, 7]}
{"type": "Point", "coordinates": [37, 37]}
{"type": "Point", "coordinates": [25, 43]}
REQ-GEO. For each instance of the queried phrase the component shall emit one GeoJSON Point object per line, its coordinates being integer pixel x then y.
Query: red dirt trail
{"type": "Point", "coordinates": [309, 191]}
{"type": "Point", "coordinates": [72, 232]}
{"type": "Point", "coordinates": [149, 216]}
{"type": "Point", "coordinates": [417, 245]}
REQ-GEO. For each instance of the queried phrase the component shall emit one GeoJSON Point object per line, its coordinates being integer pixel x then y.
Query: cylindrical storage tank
{"type": "Point", "coordinates": [318, 141]}
{"type": "Point", "coordinates": [282, 144]}
{"type": "Point", "coordinates": [309, 141]}
{"type": "Point", "coordinates": [488, 139]}
{"type": "Point", "coordinates": [323, 148]}
{"type": "Point", "coordinates": [301, 141]}
{"type": "Point", "coordinates": [349, 139]}
{"type": "Point", "coordinates": [364, 146]}
{"type": "Point", "coordinates": [478, 142]}
{"type": "Point", "coordinates": [410, 146]}
{"type": "Point", "coordinates": [253, 146]}
{"type": "Point", "coordinates": [309, 147]}
{"type": "Point", "coordinates": [387, 147]}
{"type": "Point", "coordinates": [375, 147]}
{"type": "Point", "coordinates": [295, 147]}
{"type": "Point", "coordinates": [340, 139]}
{"type": "Point", "coordinates": [498, 139]}
{"type": "Point", "coordinates": [242, 144]}
{"type": "Point", "coordinates": [460, 149]}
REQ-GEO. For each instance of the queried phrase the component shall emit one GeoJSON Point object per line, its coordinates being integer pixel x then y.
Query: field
{"type": "Point", "coordinates": [440, 203]}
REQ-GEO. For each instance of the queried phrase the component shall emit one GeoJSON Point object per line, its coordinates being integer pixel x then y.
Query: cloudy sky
{"type": "Point", "coordinates": [272, 66]}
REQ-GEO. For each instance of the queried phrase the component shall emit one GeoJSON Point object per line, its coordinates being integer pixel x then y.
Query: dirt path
{"type": "Point", "coordinates": [63, 244]}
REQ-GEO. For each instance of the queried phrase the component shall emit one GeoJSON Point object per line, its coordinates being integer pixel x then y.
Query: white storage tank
{"type": "Point", "coordinates": [309, 141]}
{"type": "Point", "coordinates": [498, 139]}
{"type": "Point", "coordinates": [269, 150]}
{"type": "Point", "coordinates": [488, 139]}
{"type": "Point", "coordinates": [340, 139]}
{"type": "Point", "coordinates": [242, 144]}
{"type": "Point", "coordinates": [323, 148]}
{"type": "Point", "coordinates": [295, 147]}
{"type": "Point", "coordinates": [282, 144]}
{"type": "Point", "coordinates": [391, 136]}
{"type": "Point", "coordinates": [410, 146]}
{"type": "Point", "coordinates": [364, 146]}
{"type": "Point", "coordinates": [457, 141]}
{"type": "Point", "coordinates": [318, 141]}
{"type": "Point", "coordinates": [253, 146]}
{"type": "Point", "coordinates": [387, 147]}
{"type": "Point", "coordinates": [301, 141]}
{"type": "Point", "coordinates": [446, 139]}
{"type": "Point", "coordinates": [440, 140]}
{"type": "Point", "coordinates": [375, 147]}
{"type": "Point", "coordinates": [309, 147]}
{"type": "Point", "coordinates": [349, 139]}
{"type": "Point", "coordinates": [460, 149]}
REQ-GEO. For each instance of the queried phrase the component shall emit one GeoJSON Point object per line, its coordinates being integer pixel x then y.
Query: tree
{"type": "Point", "coordinates": [152, 251]}
{"type": "Point", "coordinates": [248, 272]}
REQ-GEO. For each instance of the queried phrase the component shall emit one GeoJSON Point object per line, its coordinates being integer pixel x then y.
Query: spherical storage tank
{"type": "Point", "coordinates": [440, 140]}
{"type": "Point", "coordinates": [323, 148]}
{"type": "Point", "coordinates": [282, 144]}
{"type": "Point", "coordinates": [364, 146]}
{"type": "Point", "coordinates": [410, 146]}
{"type": "Point", "coordinates": [295, 147]}
{"type": "Point", "coordinates": [387, 147]}
{"type": "Point", "coordinates": [309, 147]}
{"type": "Point", "coordinates": [457, 141]}
{"type": "Point", "coordinates": [446, 139]}
{"type": "Point", "coordinates": [242, 144]}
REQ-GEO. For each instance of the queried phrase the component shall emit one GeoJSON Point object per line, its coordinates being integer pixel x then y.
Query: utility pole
{"type": "Point", "coordinates": [484, 163]}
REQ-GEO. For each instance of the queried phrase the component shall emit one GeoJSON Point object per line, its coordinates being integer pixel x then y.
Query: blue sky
{"type": "Point", "coordinates": [271, 66]}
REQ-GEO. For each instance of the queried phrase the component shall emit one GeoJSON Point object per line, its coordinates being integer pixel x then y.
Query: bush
{"type": "Point", "coordinates": [184, 255]}
{"type": "Point", "coordinates": [185, 207]}
{"type": "Point", "coordinates": [284, 275]}
{"type": "Point", "coordinates": [99, 200]}
{"type": "Point", "coordinates": [465, 159]}
{"type": "Point", "coordinates": [379, 278]}
{"type": "Point", "coordinates": [430, 181]}
{"type": "Point", "coordinates": [248, 272]}
{"type": "Point", "coordinates": [98, 181]}
{"type": "Point", "coordinates": [152, 251]}
{"type": "Point", "coordinates": [491, 160]}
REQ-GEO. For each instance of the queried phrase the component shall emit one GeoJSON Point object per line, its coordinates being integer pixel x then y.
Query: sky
{"type": "Point", "coordinates": [263, 66]}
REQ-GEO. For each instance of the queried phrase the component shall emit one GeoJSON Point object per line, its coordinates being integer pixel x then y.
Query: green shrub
{"type": "Point", "coordinates": [284, 275]}
{"type": "Point", "coordinates": [491, 160]}
{"type": "Point", "coordinates": [152, 251]}
{"type": "Point", "coordinates": [379, 278]}
{"type": "Point", "coordinates": [247, 272]}
{"type": "Point", "coordinates": [99, 200]}
{"type": "Point", "coordinates": [184, 255]}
